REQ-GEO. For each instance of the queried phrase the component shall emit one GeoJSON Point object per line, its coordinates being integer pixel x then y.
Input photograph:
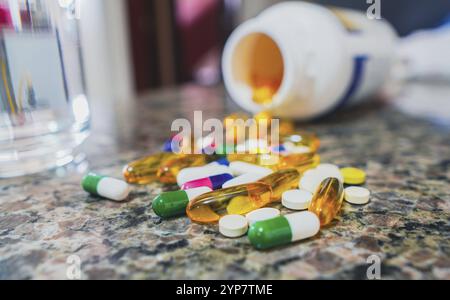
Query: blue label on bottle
{"type": "Point", "coordinates": [357, 78]}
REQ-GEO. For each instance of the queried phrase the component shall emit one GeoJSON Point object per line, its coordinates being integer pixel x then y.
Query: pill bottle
{"type": "Point", "coordinates": [302, 61]}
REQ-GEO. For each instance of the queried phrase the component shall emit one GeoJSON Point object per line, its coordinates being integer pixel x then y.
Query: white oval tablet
{"type": "Point", "coordinates": [262, 215]}
{"type": "Point", "coordinates": [329, 171]}
{"type": "Point", "coordinates": [357, 195]}
{"type": "Point", "coordinates": [233, 226]}
{"type": "Point", "coordinates": [311, 180]}
{"type": "Point", "coordinates": [328, 167]}
{"type": "Point", "coordinates": [309, 172]}
{"type": "Point", "coordinates": [243, 179]}
{"type": "Point", "coordinates": [297, 199]}
{"type": "Point", "coordinates": [239, 168]}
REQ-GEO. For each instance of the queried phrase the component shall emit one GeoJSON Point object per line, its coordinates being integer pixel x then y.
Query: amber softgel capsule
{"type": "Point", "coordinates": [327, 200]}
{"type": "Point", "coordinates": [242, 199]}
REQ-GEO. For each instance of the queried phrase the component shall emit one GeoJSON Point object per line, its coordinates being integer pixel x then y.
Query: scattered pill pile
{"type": "Point", "coordinates": [239, 191]}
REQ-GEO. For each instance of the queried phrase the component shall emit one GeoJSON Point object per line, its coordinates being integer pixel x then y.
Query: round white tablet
{"type": "Point", "coordinates": [357, 195]}
{"type": "Point", "coordinates": [297, 199]}
{"type": "Point", "coordinates": [233, 226]}
{"type": "Point", "coordinates": [262, 214]}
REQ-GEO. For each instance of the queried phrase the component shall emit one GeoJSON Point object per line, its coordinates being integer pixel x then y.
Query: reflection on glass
{"type": "Point", "coordinates": [44, 114]}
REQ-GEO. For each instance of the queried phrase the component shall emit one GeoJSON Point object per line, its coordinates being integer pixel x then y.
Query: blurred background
{"type": "Point", "coordinates": [150, 44]}
{"type": "Point", "coordinates": [132, 47]}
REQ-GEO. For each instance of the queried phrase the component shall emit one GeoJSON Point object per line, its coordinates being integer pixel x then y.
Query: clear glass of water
{"type": "Point", "coordinates": [44, 114]}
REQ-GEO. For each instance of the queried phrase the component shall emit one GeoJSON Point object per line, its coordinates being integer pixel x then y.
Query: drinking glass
{"type": "Point", "coordinates": [44, 113]}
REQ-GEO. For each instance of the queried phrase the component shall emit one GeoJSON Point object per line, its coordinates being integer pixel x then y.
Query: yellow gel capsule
{"type": "Point", "coordinates": [327, 200]}
{"type": "Point", "coordinates": [281, 182]}
{"type": "Point", "coordinates": [303, 139]}
{"type": "Point", "coordinates": [269, 161]}
{"type": "Point", "coordinates": [265, 87]}
{"type": "Point", "coordinates": [266, 160]}
{"type": "Point", "coordinates": [264, 115]}
{"type": "Point", "coordinates": [240, 205]}
{"type": "Point", "coordinates": [301, 162]}
{"type": "Point", "coordinates": [169, 169]}
{"type": "Point", "coordinates": [286, 128]}
{"type": "Point", "coordinates": [209, 208]}
{"type": "Point", "coordinates": [248, 158]}
{"type": "Point", "coordinates": [264, 94]}
{"type": "Point", "coordinates": [144, 171]}
{"type": "Point", "coordinates": [236, 116]}
{"type": "Point", "coordinates": [353, 176]}
{"type": "Point", "coordinates": [260, 118]}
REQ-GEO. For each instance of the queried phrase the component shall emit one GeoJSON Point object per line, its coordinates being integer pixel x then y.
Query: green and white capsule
{"type": "Point", "coordinates": [283, 230]}
{"type": "Point", "coordinates": [173, 204]}
{"type": "Point", "coordinates": [106, 187]}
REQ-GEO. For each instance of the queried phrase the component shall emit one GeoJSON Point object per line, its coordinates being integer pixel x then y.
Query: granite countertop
{"type": "Point", "coordinates": [46, 218]}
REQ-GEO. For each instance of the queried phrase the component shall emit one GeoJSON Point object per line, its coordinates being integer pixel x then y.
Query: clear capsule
{"type": "Point", "coordinates": [144, 171]}
{"type": "Point", "coordinates": [169, 169]}
{"type": "Point", "coordinates": [240, 200]}
{"type": "Point", "coordinates": [301, 162]}
{"type": "Point", "coordinates": [162, 167]}
{"type": "Point", "coordinates": [302, 139]}
{"type": "Point", "coordinates": [281, 181]}
{"type": "Point", "coordinates": [327, 200]}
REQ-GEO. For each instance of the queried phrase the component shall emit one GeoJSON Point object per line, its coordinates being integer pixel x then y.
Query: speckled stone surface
{"type": "Point", "coordinates": [46, 218]}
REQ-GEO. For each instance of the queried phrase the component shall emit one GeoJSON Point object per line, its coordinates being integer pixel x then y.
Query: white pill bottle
{"type": "Point", "coordinates": [319, 59]}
